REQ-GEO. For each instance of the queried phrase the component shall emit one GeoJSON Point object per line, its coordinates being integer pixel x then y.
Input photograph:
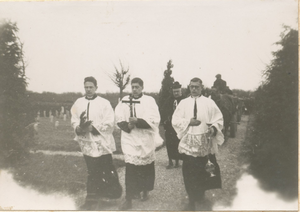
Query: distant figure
{"type": "Point", "coordinates": [56, 124]}
{"type": "Point", "coordinates": [32, 129]}
{"type": "Point", "coordinates": [220, 84]}
{"type": "Point", "coordinates": [51, 118]}
{"type": "Point", "coordinates": [167, 111]}
{"type": "Point", "coordinates": [228, 91]}
{"type": "Point", "coordinates": [38, 116]}
{"type": "Point", "coordinates": [29, 137]}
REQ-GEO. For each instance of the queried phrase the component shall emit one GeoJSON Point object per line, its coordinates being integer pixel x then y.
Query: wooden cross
{"type": "Point", "coordinates": [130, 104]}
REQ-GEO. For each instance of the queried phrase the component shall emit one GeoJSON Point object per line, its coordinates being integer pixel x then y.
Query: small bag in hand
{"type": "Point", "coordinates": [213, 181]}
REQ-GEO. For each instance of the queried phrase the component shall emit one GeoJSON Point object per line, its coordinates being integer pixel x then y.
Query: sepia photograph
{"type": "Point", "coordinates": [149, 105]}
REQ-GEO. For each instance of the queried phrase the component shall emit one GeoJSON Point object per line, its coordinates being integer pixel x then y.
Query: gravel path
{"type": "Point", "coordinates": [169, 191]}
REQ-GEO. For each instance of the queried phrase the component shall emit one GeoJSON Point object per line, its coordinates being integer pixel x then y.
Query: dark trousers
{"type": "Point", "coordinates": [139, 178]}
{"type": "Point", "coordinates": [195, 177]}
{"type": "Point", "coordinates": [172, 143]}
{"type": "Point", "coordinates": [102, 180]}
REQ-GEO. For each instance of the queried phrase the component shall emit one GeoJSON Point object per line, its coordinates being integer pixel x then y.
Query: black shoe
{"type": "Point", "coordinates": [204, 205]}
{"type": "Point", "coordinates": [104, 203]}
{"type": "Point", "coordinates": [89, 206]}
{"type": "Point", "coordinates": [137, 196]}
{"type": "Point", "coordinates": [170, 166]}
{"type": "Point", "coordinates": [189, 207]}
{"type": "Point", "coordinates": [125, 205]}
{"type": "Point", "coordinates": [145, 196]}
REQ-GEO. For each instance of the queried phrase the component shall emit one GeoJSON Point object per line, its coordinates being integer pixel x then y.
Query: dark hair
{"type": "Point", "coordinates": [91, 79]}
{"type": "Point", "coordinates": [176, 85]}
{"type": "Point", "coordinates": [138, 80]}
{"type": "Point", "coordinates": [196, 79]}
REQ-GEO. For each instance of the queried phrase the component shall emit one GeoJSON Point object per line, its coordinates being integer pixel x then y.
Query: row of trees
{"type": "Point", "coordinates": [275, 135]}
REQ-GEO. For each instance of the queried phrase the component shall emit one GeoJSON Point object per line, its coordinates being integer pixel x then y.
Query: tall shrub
{"type": "Point", "coordinates": [275, 136]}
{"type": "Point", "coordinates": [14, 115]}
{"type": "Point", "coordinates": [166, 84]}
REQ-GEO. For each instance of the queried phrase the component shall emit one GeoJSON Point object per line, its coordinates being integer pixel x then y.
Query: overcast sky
{"type": "Point", "coordinates": [67, 41]}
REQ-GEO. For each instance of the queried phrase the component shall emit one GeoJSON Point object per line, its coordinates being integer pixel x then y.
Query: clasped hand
{"type": "Point", "coordinates": [194, 122]}
{"type": "Point", "coordinates": [84, 125]}
{"type": "Point", "coordinates": [87, 127]}
{"type": "Point", "coordinates": [210, 132]}
{"type": "Point", "coordinates": [132, 122]}
{"type": "Point", "coordinates": [84, 129]}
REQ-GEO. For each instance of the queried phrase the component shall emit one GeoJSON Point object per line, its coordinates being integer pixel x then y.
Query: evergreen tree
{"type": "Point", "coordinates": [275, 138]}
{"type": "Point", "coordinates": [166, 84]}
{"type": "Point", "coordinates": [13, 101]}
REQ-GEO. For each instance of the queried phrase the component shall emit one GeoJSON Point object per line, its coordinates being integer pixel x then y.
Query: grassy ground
{"type": "Point", "coordinates": [57, 173]}
{"type": "Point", "coordinates": [61, 138]}
{"type": "Point", "coordinates": [54, 173]}
{"type": "Point", "coordinates": [50, 138]}
{"type": "Point", "coordinates": [48, 173]}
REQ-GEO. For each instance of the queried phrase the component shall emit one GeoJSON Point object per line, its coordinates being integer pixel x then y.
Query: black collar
{"type": "Point", "coordinates": [139, 96]}
{"type": "Point", "coordinates": [93, 97]}
{"type": "Point", "coordinates": [196, 96]}
{"type": "Point", "coordinates": [178, 98]}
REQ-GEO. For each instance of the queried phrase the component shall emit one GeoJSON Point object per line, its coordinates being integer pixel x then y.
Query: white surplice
{"type": "Point", "coordinates": [139, 145]}
{"type": "Point", "coordinates": [101, 114]}
{"type": "Point", "coordinates": [193, 139]}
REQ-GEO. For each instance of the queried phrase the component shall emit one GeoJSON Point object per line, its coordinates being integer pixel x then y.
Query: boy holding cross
{"type": "Point", "coordinates": [138, 117]}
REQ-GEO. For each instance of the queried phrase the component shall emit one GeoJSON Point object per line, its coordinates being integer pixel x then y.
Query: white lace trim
{"type": "Point", "coordinates": [195, 145]}
{"type": "Point", "coordinates": [102, 127]}
{"type": "Point", "coordinates": [137, 160]}
{"type": "Point", "coordinates": [93, 149]}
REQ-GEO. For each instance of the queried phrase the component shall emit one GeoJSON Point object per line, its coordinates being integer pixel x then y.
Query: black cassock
{"type": "Point", "coordinates": [166, 113]}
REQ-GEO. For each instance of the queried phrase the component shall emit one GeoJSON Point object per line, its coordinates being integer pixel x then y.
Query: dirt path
{"type": "Point", "coordinates": [169, 192]}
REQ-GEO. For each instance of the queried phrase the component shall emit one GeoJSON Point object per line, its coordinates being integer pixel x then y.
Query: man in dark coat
{"type": "Point", "coordinates": [220, 84]}
{"type": "Point", "coordinates": [166, 115]}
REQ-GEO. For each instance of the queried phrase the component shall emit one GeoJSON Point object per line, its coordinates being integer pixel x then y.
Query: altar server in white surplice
{"type": "Point", "coordinates": [198, 123]}
{"type": "Point", "coordinates": [137, 115]}
{"type": "Point", "coordinates": [93, 122]}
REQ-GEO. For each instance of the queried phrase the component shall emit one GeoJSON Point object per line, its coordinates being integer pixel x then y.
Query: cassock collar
{"type": "Point", "coordinates": [94, 97]}
{"type": "Point", "coordinates": [178, 98]}
{"type": "Point", "coordinates": [140, 95]}
{"type": "Point", "coordinates": [196, 97]}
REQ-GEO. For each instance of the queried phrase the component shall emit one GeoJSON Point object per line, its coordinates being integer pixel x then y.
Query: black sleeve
{"type": "Point", "coordinates": [78, 131]}
{"type": "Point", "coordinates": [164, 112]}
{"type": "Point", "coordinates": [124, 126]}
{"type": "Point", "coordinates": [215, 84]}
{"type": "Point", "coordinates": [215, 130]}
{"type": "Point", "coordinates": [94, 131]}
{"type": "Point", "coordinates": [141, 123]}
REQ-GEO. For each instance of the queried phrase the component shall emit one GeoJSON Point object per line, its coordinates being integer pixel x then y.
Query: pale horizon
{"type": "Point", "coordinates": [64, 42]}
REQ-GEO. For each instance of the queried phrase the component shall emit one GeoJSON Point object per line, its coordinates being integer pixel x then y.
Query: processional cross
{"type": "Point", "coordinates": [130, 101]}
